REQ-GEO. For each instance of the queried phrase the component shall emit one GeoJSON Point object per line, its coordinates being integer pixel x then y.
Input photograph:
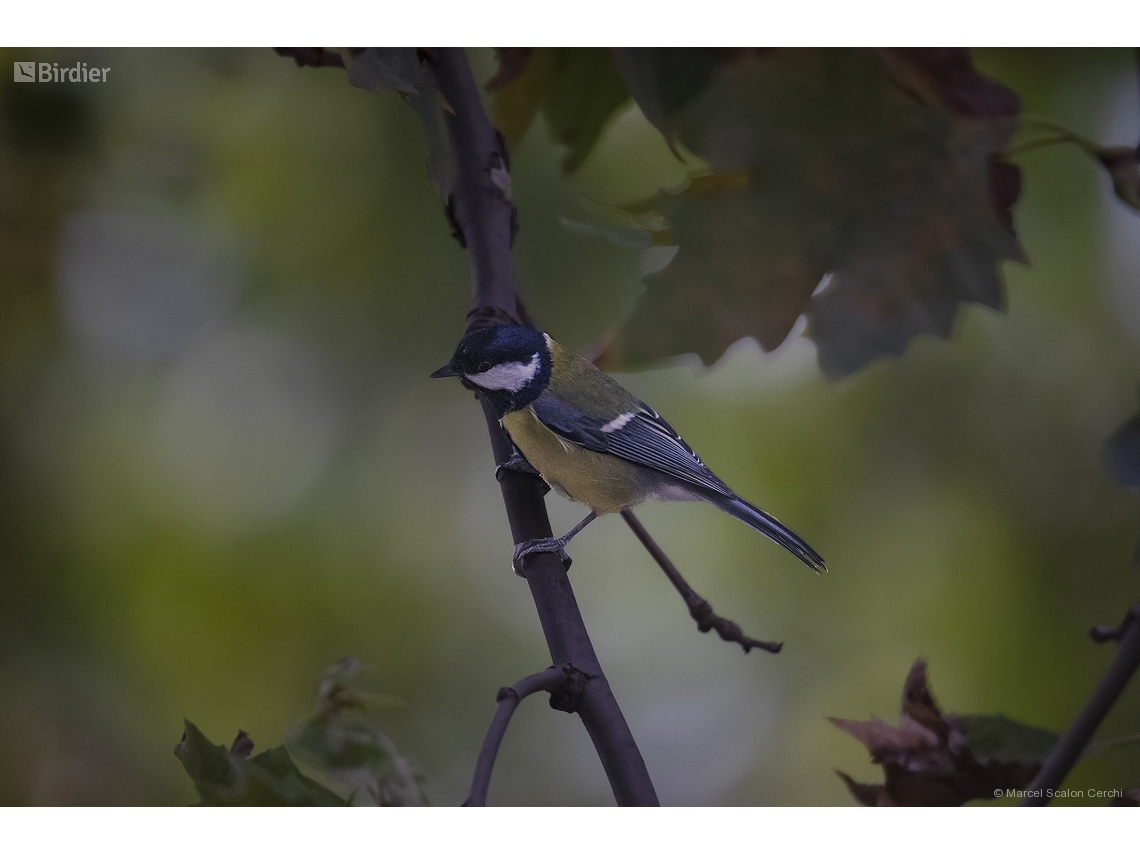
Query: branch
{"type": "Point", "coordinates": [1068, 750]}
{"type": "Point", "coordinates": [509, 697]}
{"type": "Point", "coordinates": [699, 607]}
{"type": "Point", "coordinates": [481, 212]}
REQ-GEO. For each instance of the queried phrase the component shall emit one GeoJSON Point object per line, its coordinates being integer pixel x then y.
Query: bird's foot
{"type": "Point", "coordinates": [517, 463]}
{"type": "Point", "coordinates": [555, 545]}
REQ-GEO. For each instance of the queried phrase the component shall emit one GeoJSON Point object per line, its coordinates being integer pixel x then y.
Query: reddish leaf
{"type": "Point", "coordinates": [871, 795]}
{"type": "Point", "coordinates": [935, 759]}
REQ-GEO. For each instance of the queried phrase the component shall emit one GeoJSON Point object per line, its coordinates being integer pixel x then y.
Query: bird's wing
{"type": "Point", "coordinates": [639, 436]}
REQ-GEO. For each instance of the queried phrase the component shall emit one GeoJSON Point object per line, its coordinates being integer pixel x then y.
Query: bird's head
{"type": "Point", "coordinates": [509, 364]}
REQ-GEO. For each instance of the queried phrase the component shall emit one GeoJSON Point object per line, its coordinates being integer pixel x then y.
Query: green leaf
{"type": "Point", "coordinates": [1002, 740]}
{"type": "Point", "coordinates": [272, 778]}
{"type": "Point", "coordinates": [399, 69]}
{"type": "Point", "coordinates": [343, 739]}
{"type": "Point", "coordinates": [519, 96]}
{"type": "Point", "coordinates": [209, 766]}
{"type": "Point", "coordinates": [741, 269]}
{"type": "Point", "coordinates": [585, 92]}
{"type": "Point", "coordinates": [865, 165]}
{"type": "Point", "coordinates": [663, 80]}
{"type": "Point", "coordinates": [578, 91]}
{"type": "Point", "coordinates": [229, 778]}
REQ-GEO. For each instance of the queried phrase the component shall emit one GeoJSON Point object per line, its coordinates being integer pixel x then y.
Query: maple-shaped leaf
{"type": "Point", "coordinates": [577, 90]}
{"type": "Point", "coordinates": [929, 758]}
{"type": "Point", "coordinates": [742, 268]}
{"type": "Point", "coordinates": [879, 167]}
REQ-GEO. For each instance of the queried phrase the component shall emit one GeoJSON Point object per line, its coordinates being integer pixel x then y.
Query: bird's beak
{"type": "Point", "coordinates": [446, 371]}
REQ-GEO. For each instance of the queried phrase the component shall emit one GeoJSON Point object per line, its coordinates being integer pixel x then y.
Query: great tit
{"type": "Point", "coordinates": [590, 438]}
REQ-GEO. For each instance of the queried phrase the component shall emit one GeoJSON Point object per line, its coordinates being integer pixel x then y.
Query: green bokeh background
{"type": "Point", "coordinates": [218, 482]}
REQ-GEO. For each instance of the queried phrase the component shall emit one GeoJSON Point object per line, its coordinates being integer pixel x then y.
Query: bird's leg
{"type": "Point", "coordinates": [557, 545]}
{"type": "Point", "coordinates": [517, 463]}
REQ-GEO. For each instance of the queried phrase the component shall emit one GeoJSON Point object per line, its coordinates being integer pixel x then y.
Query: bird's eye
{"type": "Point", "coordinates": [484, 366]}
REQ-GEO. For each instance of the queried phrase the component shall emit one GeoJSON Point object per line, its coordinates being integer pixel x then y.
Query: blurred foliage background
{"type": "Point", "coordinates": [223, 283]}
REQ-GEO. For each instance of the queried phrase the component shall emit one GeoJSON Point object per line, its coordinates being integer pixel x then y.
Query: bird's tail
{"type": "Point", "coordinates": [771, 527]}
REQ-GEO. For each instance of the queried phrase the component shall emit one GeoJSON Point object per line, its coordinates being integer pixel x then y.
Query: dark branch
{"type": "Point", "coordinates": [481, 211]}
{"type": "Point", "coordinates": [509, 697]}
{"type": "Point", "coordinates": [699, 607]}
{"type": "Point", "coordinates": [1070, 747]}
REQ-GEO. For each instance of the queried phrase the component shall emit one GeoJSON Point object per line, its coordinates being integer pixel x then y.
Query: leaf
{"type": "Point", "coordinates": [578, 91]}
{"type": "Point", "coordinates": [584, 93]}
{"type": "Point", "coordinates": [741, 269]}
{"type": "Point", "coordinates": [376, 69]}
{"type": "Point", "coordinates": [945, 76]}
{"type": "Point", "coordinates": [519, 93]}
{"type": "Point", "coordinates": [870, 795]}
{"type": "Point", "coordinates": [628, 237]}
{"type": "Point", "coordinates": [878, 167]}
{"type": "Point", "coordinates": [272, 778]}
{"type": "Point", "coordinates": [399, 69]}
{"type": "Point", "coordinates": [1003, 740]}
{"type": "Point", "coordinates": [935, 759]}
{"type": "Point", "coordinates": [208, 765]}
{"type": "Point", "coordinates": [343, 739]}
{"type": "Point", "coordinates": [232, 778]}
{"type": "Point", "coordinates": [663, 80]}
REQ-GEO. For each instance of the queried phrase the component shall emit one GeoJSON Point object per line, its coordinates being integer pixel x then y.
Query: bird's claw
{"type": "Point", "coordinates": [539, 544]}
{"type": "Point", "coordinates": [517, 463]}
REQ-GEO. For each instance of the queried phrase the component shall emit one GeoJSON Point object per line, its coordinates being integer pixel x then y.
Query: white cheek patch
{"type": "Point", "coordinates": [618, 423]}
{"type": "Point", "coordinates": [508, 377]}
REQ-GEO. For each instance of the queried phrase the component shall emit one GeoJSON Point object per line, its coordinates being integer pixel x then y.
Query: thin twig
{"type": "Point", "coordinates": [699, 607]}
{"type": "Point", "coordinates": [1070, 747]}
{"type": "Point", "coordinates": [509, 698]}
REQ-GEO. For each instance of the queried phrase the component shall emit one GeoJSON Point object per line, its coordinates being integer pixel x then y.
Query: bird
{"type": "Point", "coordinates": [590, 438]}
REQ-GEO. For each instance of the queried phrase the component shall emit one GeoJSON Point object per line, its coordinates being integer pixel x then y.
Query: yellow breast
{"type": "Point", "coordinates": [603, 483]}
